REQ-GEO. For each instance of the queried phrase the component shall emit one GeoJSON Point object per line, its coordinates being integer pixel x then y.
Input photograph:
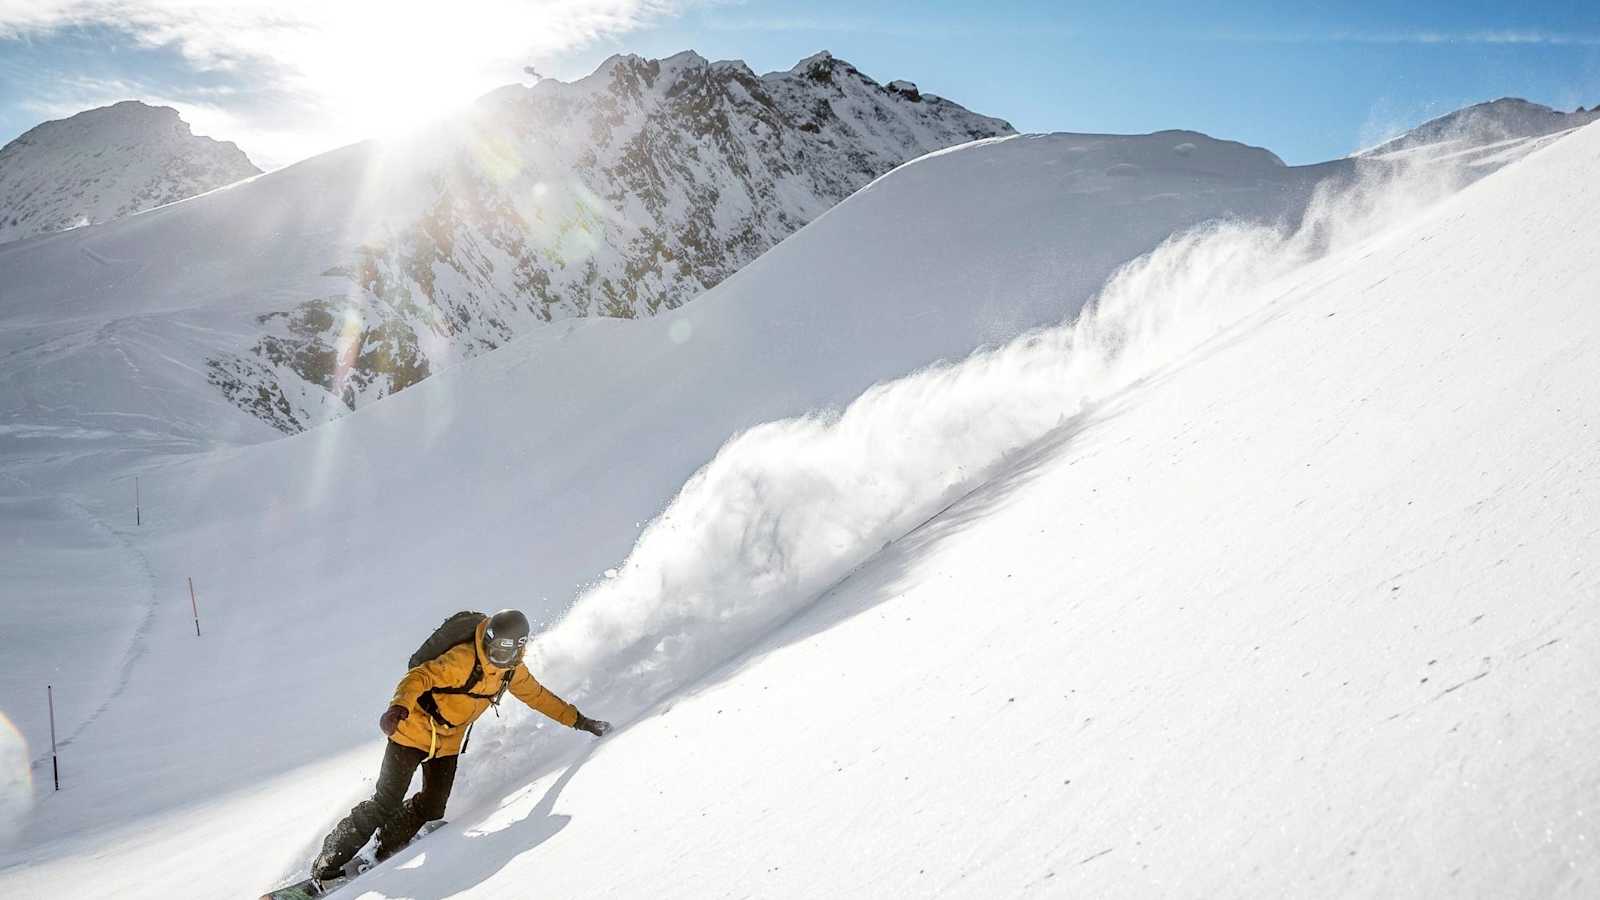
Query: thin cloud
{"type": "Point", "coordinates": [342, 69]}
{"type": "Point", "coordinates": [929, 25]}
{"type": "Point", "coordinates": [1533, 37]}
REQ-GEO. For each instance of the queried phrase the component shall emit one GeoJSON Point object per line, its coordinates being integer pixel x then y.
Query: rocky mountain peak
{"type": "Point", "coordinates": [817, 65]}
{"type": "Point", "coordinates": [624, 193]}
{"type": "Point", "coordinates": [105, 163]}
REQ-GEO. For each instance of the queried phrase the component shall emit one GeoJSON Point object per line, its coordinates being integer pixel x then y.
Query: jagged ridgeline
{"type": "Point", "coordinates": [623, 194]}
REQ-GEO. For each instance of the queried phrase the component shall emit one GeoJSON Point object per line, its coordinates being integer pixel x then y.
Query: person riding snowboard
{"type": "Point", "coordinates": [427, 722]}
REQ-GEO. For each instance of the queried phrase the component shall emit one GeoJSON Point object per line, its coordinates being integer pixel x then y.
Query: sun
{"type": "Point", "coordinates": [381, 75]}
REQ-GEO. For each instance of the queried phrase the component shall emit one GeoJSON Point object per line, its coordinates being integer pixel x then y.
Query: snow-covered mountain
{"type": "Point", "coordinates": [329, 284]}
{"type": "Point", "coordinates": [1484, 131]}
{"type": "Point", "coordinates": [106, 163]}
{"type": "Point", "coordinates": [1270, 575]}
{"type": "Point", "coordinates": [623, 194]}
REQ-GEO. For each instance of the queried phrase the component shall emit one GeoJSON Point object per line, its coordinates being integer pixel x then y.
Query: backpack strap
{"type": "Point", "coordinates": [431, 706]}
{"type": "Point", "coordinates": [505, 682]}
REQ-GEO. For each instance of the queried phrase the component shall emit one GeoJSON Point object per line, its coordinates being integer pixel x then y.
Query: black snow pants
{"type": "Point", "coordinates": [395, 821]}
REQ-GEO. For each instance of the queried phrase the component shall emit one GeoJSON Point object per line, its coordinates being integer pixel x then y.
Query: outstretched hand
{"type": "Point", "coordinates": [593, 726]}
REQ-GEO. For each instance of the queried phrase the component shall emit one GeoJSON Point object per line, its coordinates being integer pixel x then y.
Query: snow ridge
{"type": "Point", "coordinates": [106, 163]}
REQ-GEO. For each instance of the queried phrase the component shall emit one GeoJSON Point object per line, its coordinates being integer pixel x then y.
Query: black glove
{"type": "Point", "coordinates": [593, 726]}
{"type": "Point", "coordinates": [390, 720]}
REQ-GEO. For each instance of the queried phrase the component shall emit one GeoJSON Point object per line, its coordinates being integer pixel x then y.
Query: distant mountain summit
{"type": "Point", "coordinates": [106, 163]}
{"type": "Point", "coordinates": [1485, 124]}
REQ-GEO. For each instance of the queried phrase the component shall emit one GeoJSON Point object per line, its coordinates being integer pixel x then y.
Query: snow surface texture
{"type": "Point", "coordinates": [332, 283]}
{"type": "Point", "coordinates": [106, 163]}
{"type": "Point", "coordinates": [1275, 556]}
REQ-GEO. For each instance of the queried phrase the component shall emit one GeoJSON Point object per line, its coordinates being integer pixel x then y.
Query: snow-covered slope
{"type": "Point", "coordinates": [106, 163]}
{"type": "Point", "coordinates": [332, 283]}
{"type": "Point", "coordinates": [604, 419]}
{"type": "Point", "coordinates": [1267, 578]}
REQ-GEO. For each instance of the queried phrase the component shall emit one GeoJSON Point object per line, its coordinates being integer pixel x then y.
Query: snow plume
{"type": "Point", "coordinates": [788, 508]}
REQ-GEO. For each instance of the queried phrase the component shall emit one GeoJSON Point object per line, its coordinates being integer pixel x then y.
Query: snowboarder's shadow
{"type": "Point", "coordinates": [479, 857]}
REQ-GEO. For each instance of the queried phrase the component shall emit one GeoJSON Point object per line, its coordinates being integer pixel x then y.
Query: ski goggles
{"type": "Point", "coordinates": [505, 650]}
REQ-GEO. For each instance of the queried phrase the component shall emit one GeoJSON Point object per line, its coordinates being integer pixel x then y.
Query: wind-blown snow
{"type": "Point", "coordinates": [1497, 122]}
{"type": "Point", "coordinates": [786, 509]}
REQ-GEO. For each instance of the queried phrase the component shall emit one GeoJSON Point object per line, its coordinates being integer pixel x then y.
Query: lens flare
{"type": "Point", "coordinates": [347, 346]}
{"type": "Point", "coordinates": [16, 782]}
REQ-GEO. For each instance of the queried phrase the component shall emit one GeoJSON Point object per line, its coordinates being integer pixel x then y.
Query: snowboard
{"type": "Point", "coordinates": [311, 888]}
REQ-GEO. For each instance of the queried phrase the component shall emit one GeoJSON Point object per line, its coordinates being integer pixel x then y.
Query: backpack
{"type": "Point", "coordinates": [461, 628]}
{"type": "Point", "coordinates": [458, 629]}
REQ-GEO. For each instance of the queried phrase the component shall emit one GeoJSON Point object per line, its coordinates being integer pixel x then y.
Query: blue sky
{"type": "Point", "coordinates": [1308, 80]}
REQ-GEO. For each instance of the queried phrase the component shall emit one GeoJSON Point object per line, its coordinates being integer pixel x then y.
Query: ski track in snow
{"type": "Point", "coordinates": [136, 640]}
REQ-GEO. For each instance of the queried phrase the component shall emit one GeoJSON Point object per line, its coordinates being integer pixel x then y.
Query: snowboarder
{"type": "Point", "coordinates": [427, 722]}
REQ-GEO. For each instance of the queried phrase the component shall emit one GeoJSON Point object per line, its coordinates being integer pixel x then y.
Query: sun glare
{"type": "Point", "coordinates": [383, 75]}
{"type": "Point", "coordinates": [332, 73]}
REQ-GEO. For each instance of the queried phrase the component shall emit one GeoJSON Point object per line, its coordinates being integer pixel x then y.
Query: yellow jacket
{"type": "Point", "coordinates": [425, 732]}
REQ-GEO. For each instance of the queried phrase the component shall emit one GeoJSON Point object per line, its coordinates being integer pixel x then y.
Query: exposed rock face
{"type": "Point", "coordinates": [905, 89]}
{"type": "Point", "coordinates": [106, 163]}
{"type": "Point", "coordinates": [622, 194]}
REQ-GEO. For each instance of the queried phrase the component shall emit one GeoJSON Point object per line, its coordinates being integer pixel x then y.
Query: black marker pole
{"type": "Point", "coordinates": [55, 765]}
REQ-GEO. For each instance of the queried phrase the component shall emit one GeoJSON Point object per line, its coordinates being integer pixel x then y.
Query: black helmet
{"type": "Point", "coordinates": [505, 637]}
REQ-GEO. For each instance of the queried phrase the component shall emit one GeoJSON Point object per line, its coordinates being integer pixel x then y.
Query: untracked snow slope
{"type": "Point", "coordinates": [1268, 577]}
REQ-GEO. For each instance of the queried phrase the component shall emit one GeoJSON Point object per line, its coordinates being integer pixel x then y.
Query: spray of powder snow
{"type": "Point", "coordinates": [788, 508]}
